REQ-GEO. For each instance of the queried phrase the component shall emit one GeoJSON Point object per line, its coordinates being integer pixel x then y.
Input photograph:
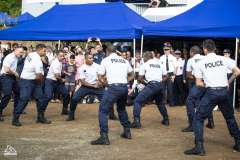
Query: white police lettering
{"type": "Point", "coordinates": [214, 64]}
{"type": "Point", "coordinates": [118, 61]}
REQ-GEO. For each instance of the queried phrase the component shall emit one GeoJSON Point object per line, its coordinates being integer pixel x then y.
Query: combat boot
{"type": "Point", "coordinates": [165, 122]}
{"type": "Point", "coordinates": [70, 116]}
{"type": "Point", "coordinates": [210, 124]}
{"type": "Point", "coordinates": [188, 129]}
{"type": "Point", "coordinates": [126, 133]}
{"type": "Point", "coordinates": [236, 147]}
{"type": "Point", "coordinates": [41, 119]}
{"type": "Point", "coordinates": [64, 111]}
{"type": "Point", "coordinates": [136, 123]}
{"type": "Point", "coordinates": [197, 150]}
{"type": "Point", "coordinates": [15, 121]}
{"type": "Point", "coordinates": [102, 140]}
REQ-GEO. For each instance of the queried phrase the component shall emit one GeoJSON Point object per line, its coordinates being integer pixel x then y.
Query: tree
{"type": "Point", "coordinates": [12, 7]}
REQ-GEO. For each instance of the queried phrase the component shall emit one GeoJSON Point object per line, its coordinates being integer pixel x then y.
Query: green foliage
{"type": "Point", "coordinates": [12, 7]}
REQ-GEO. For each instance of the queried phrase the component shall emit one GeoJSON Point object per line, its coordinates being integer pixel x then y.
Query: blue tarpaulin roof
{"type": "Point", "coordinates": [78, 22]}
{"type": "Point", "coordinates": [211, 18]}
{"type": "Point", "coordinates": [24, 17]}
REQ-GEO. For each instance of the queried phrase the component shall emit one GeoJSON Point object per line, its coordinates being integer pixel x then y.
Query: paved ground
{"type": "Point", "coordinates": [70, 140]}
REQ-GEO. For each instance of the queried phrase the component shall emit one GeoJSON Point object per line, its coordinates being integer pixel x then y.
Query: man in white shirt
{"type": "Point", "coordinates": [30, 84]}
{"type": "Point", "coordinates": [211, 73]}
{"type": "Point", "coordinates": [179, 91]}
{"type": "Point", "coordinates": [89, 84]}
{"type": "Point", "coordinates": [9, 78]}
{"type": "Point", "coordinates": [195, 92]}
{"type": "Point", "coordinates": [154, 73]}
{"type": "Point", "coordinates": [170, 64]}
{"type": "Point", "coordinates": [55, 83]}
{"type": "Point", "coordinates": [118, 72]}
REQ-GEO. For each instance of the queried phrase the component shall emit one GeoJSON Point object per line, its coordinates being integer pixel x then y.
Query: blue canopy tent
{"type": "Point", "coordinates": [211, 18]}
{"type": "Point", "coordinates": [79, 22]}
{"type": "Point", "coordinates": [24, 17]}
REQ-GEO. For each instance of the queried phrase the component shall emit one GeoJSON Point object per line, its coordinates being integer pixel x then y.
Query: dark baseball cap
{"type": "Point", "coordinates": [167, 45]}
{"type": "Point", "coordinates": [178, 52]}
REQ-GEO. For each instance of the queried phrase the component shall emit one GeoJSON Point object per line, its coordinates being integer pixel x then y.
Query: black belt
{"type": "Point", "coordinates": [217, 88]}
{"type": "Point", "coordinates": [9, 75]}
{"type": "Point", "coordinates": [170, 74]}
{"type": "Point", "coordinates": [118, 85]}
{"type": "Point", "coordinates": [153, 82]}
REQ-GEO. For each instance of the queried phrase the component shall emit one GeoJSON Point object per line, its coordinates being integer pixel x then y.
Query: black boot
{"type": "Point", "coordinates": [165, 122]}
{"type": "Point", "coordinates": [64, 111]}
{"type": "Point", "coordinates": [210, 124]}
{"type": "Point", "coordinates": [70, 116]}
{"type": "Point", "coordinates": [102, 140]}
{"type": "Point", "coordinates": [113, 117]}
{"type": "Point", "coordinates": [41, 118]}
{"type": "Point", "coordinates": [197, 150]}
{"type": "Point", "coordinates": [15, 121]}
{"type": "Point", "coordinates": [126, 133]}
{"type": "Point", "coordinates": [188, 129]}
{"type": "Point", "coordinates": [236, 147]}
{"type": "Point", "coordinates": [1, 117]}
{"type": "Point", "coordinates": [136, 123]}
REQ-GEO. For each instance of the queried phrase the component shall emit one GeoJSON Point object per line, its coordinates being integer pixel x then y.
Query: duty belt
{"type": "Point", "coordinates": [216, 88]}
{"type": "Point", "coordinates": [118, 85]}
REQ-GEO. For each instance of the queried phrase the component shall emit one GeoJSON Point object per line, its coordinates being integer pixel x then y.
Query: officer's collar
{"type": "Point", "coordinates": [211, 54]}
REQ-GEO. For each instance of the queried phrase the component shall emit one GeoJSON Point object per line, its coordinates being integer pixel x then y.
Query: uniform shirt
{"type": "Point", "coordinates": [32, 66]}
{"type": "Point", "coordinates": [116, 69]}
{"type": "Point", "coordinates": [10, 61]}
{"type": "Point", "coordinates": [213, 70]}
{"type": "Point", "coordinates": [152, 70]}
{"type": "Point", "coordinates": [172, 62]}
{"type": "Point", "coordinates": [232, 62]}
{"type": "Point", "coordinates": [192, 62]}
{"type": "Point", "coordinates": [180, 63]}
{"type": "Point", "coordinates": [89, 73]}
{"type": "Point", "coordinates": [55, 68]}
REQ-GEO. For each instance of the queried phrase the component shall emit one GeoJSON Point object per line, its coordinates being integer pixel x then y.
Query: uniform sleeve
{"type": "Point", "coordinates": [102, 68]}
{"type": "Point", "coordinates": [81, 73]}
{"type": "Point", "coordinates": [198, 71]}
{"type": "Point", "coordinates": [142, 70]}
{"type": "Point", "coordinates": [230, 64]}
{"type": "Point", "coordinates": [7, 61]}
{"type": "Point", "coordinates": [130, 69]}
{"type": "Point", "coordinates": [38, 65]}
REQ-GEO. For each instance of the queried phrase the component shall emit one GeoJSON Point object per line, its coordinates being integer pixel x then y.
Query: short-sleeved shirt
{"type": "Point", "coordinates": [32, 65]}
{"type": "Point", "coordinates": [89, 73]}
{"type": "Point", "coordinates": [213, 70]}
{"type": "Point", "coordinates": [152, 70]}
{"type": "Point", "coordinates": [180, 63]}
{"type": "Point", "coordinates": [55, 68]}
{"type": "Point", "coordinates": [192, 62]}
{"type": "Point", "coordinates": [172, 62]}
{"type": "Point", "coordinates": [116, 69]}
{"type": "Point", "coordinates": [10, 61]}
{"type": "Point", "coordinates": [232, 62]}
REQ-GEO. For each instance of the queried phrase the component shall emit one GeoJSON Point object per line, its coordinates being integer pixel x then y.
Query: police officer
{"type": "Point", "coordinates": [213, 71]}
{"type": "Point", "coordinates": [30, 84]}
{"type": "Point", "coordinates": [9, 78]}
{"type": "Point", "coordinates": [179, 92]}
{"type": "Point", "coordinates": [54, 82]}
{"type": "Point", "coordinates": [170, 64]}
{"type": "Point", "coordinates": [153, 72]}
{"type": "Point", "coordinates": [195, 92]}
{"type": "Point", "coordinates": [89, 84]}
{"type": "Point", "coordinates": [118, 71]}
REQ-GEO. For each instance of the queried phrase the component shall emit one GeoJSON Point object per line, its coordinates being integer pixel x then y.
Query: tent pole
{"type": "Point", "coordinates": [59, 43]}
{"type": "Point", "coordinates": [142, 46]}
{"type": "Point", "coordinates": [235, 82]}
{"type": "Point", "coordinates": [134, 55]}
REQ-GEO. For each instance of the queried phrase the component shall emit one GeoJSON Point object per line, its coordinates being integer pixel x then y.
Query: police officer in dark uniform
{"type": "Point", "coordinates": [9, 78]}
{"type": "Point", "coordinates": [89, 84]}
{"type": "Point", "coordinates": [195, 93]}
{"type": "Point", "coordinates": [211, 73]}
{"type": "Point", "coordinates": [118, 72]}
{"type": "Point", "coordinates": [154, 73]}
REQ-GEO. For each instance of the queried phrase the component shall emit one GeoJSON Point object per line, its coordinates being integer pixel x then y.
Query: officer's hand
{"type": "Point", "coordinates": [184, 81]}
{"type": "Point", "coordinates": [96, 86]}
{"type": "Point", "coordinates": [173, 78]}
{"type": "Point", "coordinates": [16, 75]}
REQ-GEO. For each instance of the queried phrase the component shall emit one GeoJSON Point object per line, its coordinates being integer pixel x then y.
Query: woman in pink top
{"type": "Point", "coordinates": [79, 61]}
